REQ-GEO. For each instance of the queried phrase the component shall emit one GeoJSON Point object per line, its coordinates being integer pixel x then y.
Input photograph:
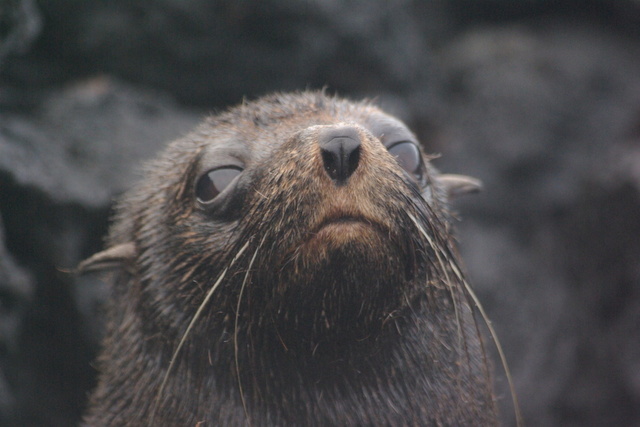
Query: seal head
{"type": "Point", "coordinates": [290, 262]}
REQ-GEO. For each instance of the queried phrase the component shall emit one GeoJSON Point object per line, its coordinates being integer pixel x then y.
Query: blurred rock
{"type": "Point", "coordinates": [215, 52]}
{"type": "Point", "coordinates": [60, 168]}
{"type": "Point", "coordinates": [20, 24]}
{"type": "Point", "coordinates": [548, 118]}
{"type": "Point", "coordinates": [16, 293]}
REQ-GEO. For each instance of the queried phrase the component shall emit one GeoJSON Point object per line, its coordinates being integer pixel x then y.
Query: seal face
{"type": "Point", "coordinates": [290, 262]}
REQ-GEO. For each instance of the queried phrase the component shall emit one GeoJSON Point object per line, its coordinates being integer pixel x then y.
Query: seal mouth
{"type": "Point", "coordinates": [345, 227]}
{"type": "Point", "coordinates": [343, 221]}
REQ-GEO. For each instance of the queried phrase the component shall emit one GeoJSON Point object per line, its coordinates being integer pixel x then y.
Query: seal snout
{"type": "Point", "coordinates": [340, 149]}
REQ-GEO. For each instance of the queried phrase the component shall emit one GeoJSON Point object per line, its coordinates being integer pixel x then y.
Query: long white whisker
{"type": "Point", "coordinates": [235, 331]}
{"type": "Point", "coordinates": [446, 274]}
{"type": "Point", "coordinates": [485, 318]}
{"type": "Point", "coordinates": [188, 330]}
{"type": "Point", "coordinates": [496, 341]}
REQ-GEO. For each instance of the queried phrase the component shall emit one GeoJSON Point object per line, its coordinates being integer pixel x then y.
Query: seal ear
{"type": "Point", "coordinates": [458, 185]}
{"type": "Point", "coordinates": [115, 256]}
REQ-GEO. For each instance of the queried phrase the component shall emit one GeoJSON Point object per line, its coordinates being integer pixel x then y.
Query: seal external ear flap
{"type": "Point", "coordinates": [458, 185]}
{"type": "Point", "coordinates": [113, 257]}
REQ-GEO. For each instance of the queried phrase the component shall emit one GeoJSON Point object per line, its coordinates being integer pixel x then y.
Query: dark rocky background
{"type": "Point", "coordinates": [538, 98]}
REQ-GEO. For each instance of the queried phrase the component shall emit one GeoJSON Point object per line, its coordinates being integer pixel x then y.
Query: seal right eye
{"type": "Point", "coordinates": [408, 156]}
{"type": "Point", "coordinates": [214, 182]}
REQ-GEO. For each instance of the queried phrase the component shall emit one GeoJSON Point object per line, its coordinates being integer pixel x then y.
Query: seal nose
{"type": "Point", "coordinates": [340, 150]}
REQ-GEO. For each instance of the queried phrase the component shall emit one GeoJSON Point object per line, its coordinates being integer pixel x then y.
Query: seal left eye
{"type": "Point", "coordinates": [214, 182]}
{"type": "Point", "coordinates": [408, 156]}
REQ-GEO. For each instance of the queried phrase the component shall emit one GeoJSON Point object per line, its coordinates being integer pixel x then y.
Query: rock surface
{"type": "Point", "coordinates": [540, 100]}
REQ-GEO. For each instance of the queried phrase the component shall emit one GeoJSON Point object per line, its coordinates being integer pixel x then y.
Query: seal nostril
{"type": "Point", "coordinates": [353, 160]}
{"type": "Point", "coordinates": [330, 161]}
{"type": "Point", "coordinates": [340, 149]}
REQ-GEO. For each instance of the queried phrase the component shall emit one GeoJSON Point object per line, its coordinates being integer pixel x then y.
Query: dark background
{"type": "Point", "coordinates": [539, 99]}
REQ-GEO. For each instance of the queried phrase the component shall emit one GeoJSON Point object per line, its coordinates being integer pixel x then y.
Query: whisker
{"type": "Point", "coordinates": [485, 318]}
{"type": "Point", "coordinates": [446, 274]}
{"type": "Point", "coordinates": [496, 341]}
{"type": "Point", "coordinates": [188, 330]}
{"type": "Point", "coordinates": [235, 331]}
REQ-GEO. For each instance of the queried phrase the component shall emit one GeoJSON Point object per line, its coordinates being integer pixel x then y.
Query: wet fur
{"type": "Point", "coordinates": [308, 326]}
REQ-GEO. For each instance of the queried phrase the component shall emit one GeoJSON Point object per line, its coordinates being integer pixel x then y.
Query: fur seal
{"type": "Point", "coordinates": [290, 262]}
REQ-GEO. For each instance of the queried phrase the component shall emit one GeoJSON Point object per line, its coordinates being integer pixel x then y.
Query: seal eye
{"type": "Point", "coordinates": [408, 156]}
{"type": "Point", "coordinates": [213, 182]}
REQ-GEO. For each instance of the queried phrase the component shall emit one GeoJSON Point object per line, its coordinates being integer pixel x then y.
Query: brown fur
{"type": "Point", "coordinates": [317, 321]}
